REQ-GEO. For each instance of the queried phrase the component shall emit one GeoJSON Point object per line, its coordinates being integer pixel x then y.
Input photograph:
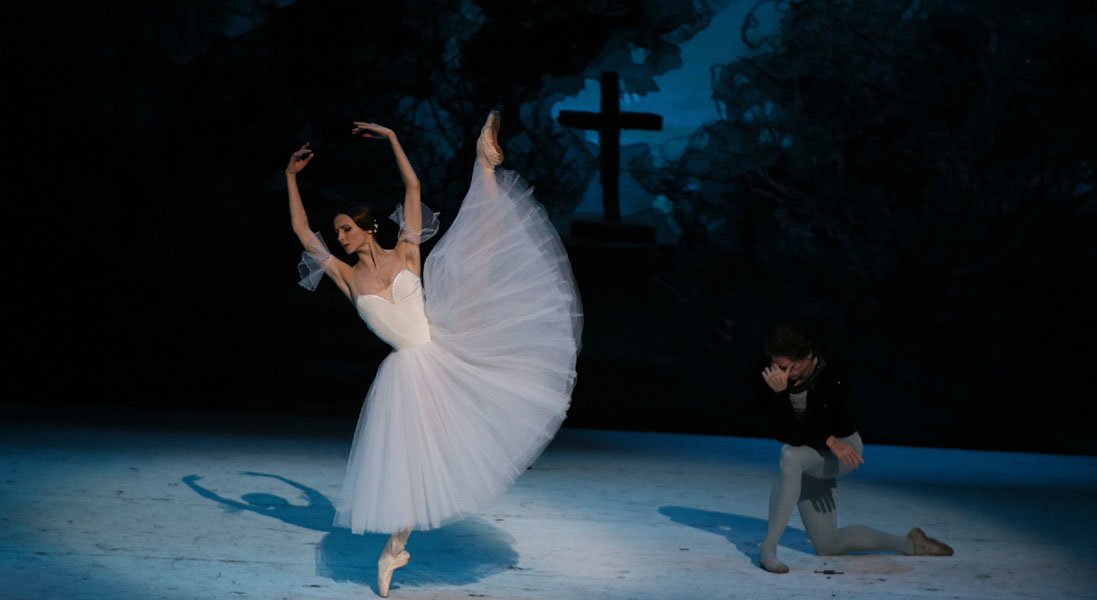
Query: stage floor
{"type": "Point", "coordinates": [124, 504]}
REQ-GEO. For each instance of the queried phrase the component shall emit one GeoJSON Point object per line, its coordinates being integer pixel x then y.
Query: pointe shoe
{"type": "Point", "coordinates": [488, 151]}
{"type": "Point", "coordinates": [927, 546]}
{"type": "Point", "coordinates": [386, 566]}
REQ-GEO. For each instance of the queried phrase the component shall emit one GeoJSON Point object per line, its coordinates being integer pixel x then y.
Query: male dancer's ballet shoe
{"type": "Point", "coordinates": [769, 562]}
{"type": "Point", "coordinates": [927, 546]}
{"type": "Point", "coordinates": [488, 151]}
{"type": "Point", "coordinates": [386, 566]}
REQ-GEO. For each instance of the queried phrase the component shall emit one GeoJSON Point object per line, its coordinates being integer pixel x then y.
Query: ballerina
{"type": "Point", "coordinates": [485, 334]}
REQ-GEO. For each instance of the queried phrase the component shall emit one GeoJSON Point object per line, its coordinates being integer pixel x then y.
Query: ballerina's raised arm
{"type": "Point", "coordinates": [316, 259]}
{"type": "Point", "coordinates": [408, 244]}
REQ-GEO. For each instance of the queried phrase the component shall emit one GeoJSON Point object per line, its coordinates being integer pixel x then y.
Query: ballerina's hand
{"type": "Point", "coordinates": [299, 159]}
{"type": "Point", "coordinates": [371, 130]}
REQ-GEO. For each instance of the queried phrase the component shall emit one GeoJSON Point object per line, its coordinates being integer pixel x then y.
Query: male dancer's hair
{"type": "Point", "coordinates": [789, 339]}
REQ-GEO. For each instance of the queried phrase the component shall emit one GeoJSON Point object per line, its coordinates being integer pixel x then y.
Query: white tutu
{"type": "Point", "coordinates": [456, 413]}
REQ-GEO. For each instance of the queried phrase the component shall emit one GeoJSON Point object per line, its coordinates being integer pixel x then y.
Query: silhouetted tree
{"type": "Point", "coordinates": [190, 109]}
{"type": "Point", "coordinates": [919, 178]}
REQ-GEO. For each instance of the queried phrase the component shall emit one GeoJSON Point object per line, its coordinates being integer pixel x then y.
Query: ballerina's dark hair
{"type": "Point", "coordinates": [361, 215]}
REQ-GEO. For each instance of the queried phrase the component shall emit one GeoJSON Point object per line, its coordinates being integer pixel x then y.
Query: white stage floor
{"type": "Point", "coordinates": [214, 506]}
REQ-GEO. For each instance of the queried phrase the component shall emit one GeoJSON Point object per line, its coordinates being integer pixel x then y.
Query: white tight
{"type": "Point", "coordinates": [806, 482]}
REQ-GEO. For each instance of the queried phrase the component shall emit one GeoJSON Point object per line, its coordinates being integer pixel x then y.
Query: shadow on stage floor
{"type": "Point", "coordinates": [161, 504]}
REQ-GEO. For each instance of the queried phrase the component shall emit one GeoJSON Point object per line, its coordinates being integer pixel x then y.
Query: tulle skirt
{"type": "Point", "coordinates": [448, 425]}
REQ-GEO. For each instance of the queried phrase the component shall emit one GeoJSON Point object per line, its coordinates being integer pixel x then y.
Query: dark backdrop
{"type": "Point", "coordinates": [915, 180]}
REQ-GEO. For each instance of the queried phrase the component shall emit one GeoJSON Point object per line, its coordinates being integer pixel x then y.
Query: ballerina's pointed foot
{"type": "Point", "coordinates": [927, 546]}
{"type": "Point", "coordinates": [386, 566]}
{"type": "Point", "coordinates": [487, 147]}
{"type": "Point", "coordinates": [491, 126]}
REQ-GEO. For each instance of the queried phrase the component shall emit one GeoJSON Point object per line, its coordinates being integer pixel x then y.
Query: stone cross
{"type": "Point", "coordinates": [609, 123]}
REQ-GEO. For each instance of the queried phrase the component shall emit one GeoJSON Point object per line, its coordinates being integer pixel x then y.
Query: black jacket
{"type": "Point", "coordinates": [827, 413]}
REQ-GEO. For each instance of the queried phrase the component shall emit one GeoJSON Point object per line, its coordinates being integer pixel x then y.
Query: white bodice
{"type": "Point", "coordinates": [402, 322]}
